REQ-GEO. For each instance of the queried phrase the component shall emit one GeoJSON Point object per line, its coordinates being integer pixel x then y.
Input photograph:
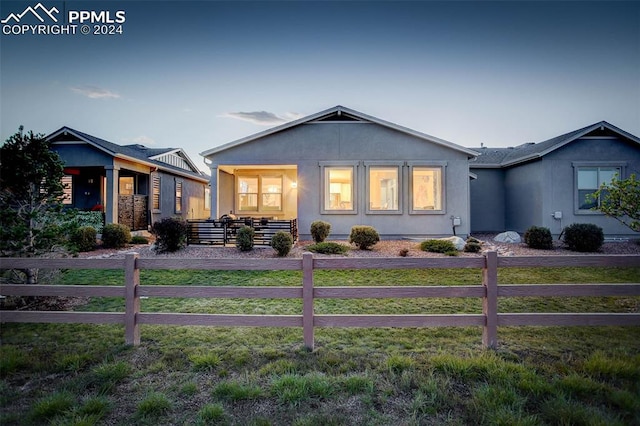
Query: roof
{"type": "Point", "coordinates": [506, 157]}
{"type": "Point", "coordinates": [343, 114]}
{"type": "Point", "coordinates": [135, 152]}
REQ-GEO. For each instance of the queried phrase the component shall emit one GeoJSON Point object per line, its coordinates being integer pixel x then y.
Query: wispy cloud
{"type": "Point", "coordinates": [263, 118]}
{"type": "Point", "coordinates": [142, 140]}
{"type": "Point", "coordinates": [94, 92]}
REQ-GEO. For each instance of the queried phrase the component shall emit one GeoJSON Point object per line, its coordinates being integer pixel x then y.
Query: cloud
{"type": "Point", "coordinates": [263, 118]}
{"type": "Point", "coordinates": [94, 92]}
{"type": "Point", "coordinates": [143, 140]}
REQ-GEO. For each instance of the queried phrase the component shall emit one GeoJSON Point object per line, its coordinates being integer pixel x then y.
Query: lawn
{"type": "Point", "coordinates": [75, 374]}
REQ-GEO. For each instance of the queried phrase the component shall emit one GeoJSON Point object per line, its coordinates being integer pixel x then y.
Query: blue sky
{"type": "Point", "coordinates": [197, 74]}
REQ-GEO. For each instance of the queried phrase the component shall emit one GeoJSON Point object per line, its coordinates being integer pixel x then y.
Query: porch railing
{"type": "Point", "coordinates": [223, 232]}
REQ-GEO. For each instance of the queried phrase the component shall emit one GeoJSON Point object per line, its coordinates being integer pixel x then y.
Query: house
{"type": "Point", "coordinates": [132, 184]}
{"type": "Point", "coordinates": [547, 184]}
{"type": "Point", "coordinates": [346, 168]}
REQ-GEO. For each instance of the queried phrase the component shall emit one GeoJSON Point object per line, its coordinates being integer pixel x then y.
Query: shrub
{"type": "Point", "coordinates": [538, 237]}
{"type": "Point", "coordinates": [282, 242]}
{"type": "Point", "coordinates": [171, 234]}
{"type": "Point", "coordinates": [364, 237]}
{"type": "Point", "coordinates": [84, 238]}
{"type": "Point", "coordinates": [244, 238]}
{"type": "Point", "coordinates": [139, 239]}
{"type": "Point", "coordinates": [115, 235]}
{"type": "Point", "coordinates": [320, 230]}
{"type": "Point", "coordinates": [583, 237]}
{"type": "Point", "coordinates": [472, 246]}
{"type": "Point", "coordinates": [328, 248]}
{"type": "Point", "coordinates": [438, 246]}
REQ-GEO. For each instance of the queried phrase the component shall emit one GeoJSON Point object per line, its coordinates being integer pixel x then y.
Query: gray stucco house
{"type": "Point", "coordinates": [547, 183]}
{"type": "Point", "coordinates": [132, 184]}
{"type": "Point", "coordinates": [346, 168]}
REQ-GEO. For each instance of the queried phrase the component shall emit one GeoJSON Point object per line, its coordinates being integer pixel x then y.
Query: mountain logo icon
{"type": "Point", "coordinates": [38, 11]}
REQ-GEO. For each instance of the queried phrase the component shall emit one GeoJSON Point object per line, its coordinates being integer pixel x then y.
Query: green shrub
{"type": "Point", "coordinates": [171, 234]}
{"type": "Point", "coordinates": [472, 246]}
{"type": "Point", "coordinates": [139, 239]}
{"type": "Point", "coordinates": [282, 242]}
{"type": "Point", "coordinates": [320, 231]}
{"type": "Point", "coordinates": [84, 238]}
{"type": "Point", "coordinates": [244, 238]}
{"type": "Point", "coordinates": [583, 237]}
{"type": "Point", "coordinates": [364, 237]}
{"type": "Point", "coordinates": [328, 248]}
{"type": "Point", "coordinates": [115, 235]}
{"type": "Point", "coordinates": [438, 246]}
{"type": "Point", "coordinates": [538, 237]}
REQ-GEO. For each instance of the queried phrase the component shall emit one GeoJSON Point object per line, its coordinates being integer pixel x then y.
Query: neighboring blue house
{"type": "Point", "coordinates": [132, 184]}
{"type": "Point", "coordinates": [547, 183]}
{"type": "Point", "coordinates": [346, 168]}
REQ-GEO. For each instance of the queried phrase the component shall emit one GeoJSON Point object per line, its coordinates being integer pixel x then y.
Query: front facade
{"type": "Point", "coordinates": [548, 183]}
{"type": "Point", "coordinates": [132, 184]}
{"type": "Point", "coordinates": [345, 168]}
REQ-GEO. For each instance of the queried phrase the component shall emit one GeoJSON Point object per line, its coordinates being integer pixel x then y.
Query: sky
{"type": "Point", "coordinates": [198, 74]}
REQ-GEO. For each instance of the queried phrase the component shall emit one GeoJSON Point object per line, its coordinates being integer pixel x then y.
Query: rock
{"type": "Point", "coordinates": [457, 241]}
{"type": "Point", "coordinates": [508, 237]}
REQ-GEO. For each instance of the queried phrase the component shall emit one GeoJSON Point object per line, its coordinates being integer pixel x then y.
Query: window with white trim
{"type": "Point", "coordinates": [67, 189]}
{"type": "Point", "coordinates": [155, 192]}
{"type": "Point", "coordinates": [178, 196]}
{"type": "Point", "coordinates": [259, 193]}
{"type": "Point", "coordinates": [427, 194]}
{"type": "Point", "coordinates": [384, 188]}
{"type": "Point", "coordinates": [589, 180]}
{"type": "Point", "coordinates": [339, 189]}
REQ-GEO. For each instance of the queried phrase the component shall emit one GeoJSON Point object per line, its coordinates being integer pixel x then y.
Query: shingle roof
{"type": "Point", "coordinates": [135, 151]}
{"type": "Point", "coordinates": [504, 157]}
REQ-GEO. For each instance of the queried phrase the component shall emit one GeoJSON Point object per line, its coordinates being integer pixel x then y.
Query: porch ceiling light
{"type": "Point", "coordinates": [294, 184]}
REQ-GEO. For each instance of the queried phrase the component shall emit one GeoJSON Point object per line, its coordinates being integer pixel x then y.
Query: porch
{"type": "Point", "coordinates": [223, 231]}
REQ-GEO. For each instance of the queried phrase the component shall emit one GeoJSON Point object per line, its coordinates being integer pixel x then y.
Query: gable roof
{"type": "Point", "coordinates": [340, 113]}
{"type": "Point", "coordinates": [505, 157]}
{"type": "Point", "coordinates": [135, 152]}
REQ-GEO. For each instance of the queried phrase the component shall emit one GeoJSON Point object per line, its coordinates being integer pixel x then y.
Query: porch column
{"type": "Point", "coordinates": [213, 193]}
{"type": "Point", "coordinates": [111, 197]}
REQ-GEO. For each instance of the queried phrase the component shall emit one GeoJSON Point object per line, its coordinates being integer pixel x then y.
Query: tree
{"type": "Point", "coordinates": [31, 191]}
{"type": "Point", "coordinates": [620, 199]}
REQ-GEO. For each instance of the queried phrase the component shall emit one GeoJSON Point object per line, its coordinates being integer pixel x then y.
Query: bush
{"type": "Point", "coordinates": [84, 238]}
{"type": "Point", "coordinates": [328, 248]}
{"type": "Point", "coordinates": [139, 239]}
{"type": "Point", "coordinates": [364, 237]}
{"type": "Point", "coordinates": [320, 230]}
{"type": "Point", "coordinates": [115, 235]}
{"type": "Point", "coordinates": [583, 237]}
{"type": "Point", "coordinates": [438, 246]}
{"type": "Point", "coordinates": [171, 234]}
{"type": "Point", "coordinates": [538, 237]}
{"type": "Point", "coordinates": [244, 238]}
{"type": "Point", "coordinates": [282, 242]}
{"type": "Point", "coordinates": [472, 246]}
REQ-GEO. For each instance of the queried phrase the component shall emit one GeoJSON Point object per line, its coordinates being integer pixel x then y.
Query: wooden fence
{"type": "Point", "coordinates": [489, 290]}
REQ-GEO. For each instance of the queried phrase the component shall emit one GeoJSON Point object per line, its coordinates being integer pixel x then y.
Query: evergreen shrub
{"type": "Point", "coordinates": [83, 238]}
{"type": "Point", "coordinates": [538, 237]}
{"type": "Point", "coordinates": [282, 242]}
{"type": "Point", "coordinates": [320, 230]}
{"type": "Point", "coordinates": [583, 237]}
{"type": "Point", "coordinates": [364, 237]}
{"type": "Point", "coordinates": [171, 234]}
{"type": "Point", "coordinates": [115, 235]}
{"type": "Point", "coordinates": [244, 238]}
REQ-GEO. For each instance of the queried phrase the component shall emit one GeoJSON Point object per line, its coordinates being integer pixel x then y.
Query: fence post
{"type": "Point", "coordinates": [490, 300]}
{"type": "Point", "coordinates": [307, 300]}
{"type": "Point", "coordinates": [132, 300]}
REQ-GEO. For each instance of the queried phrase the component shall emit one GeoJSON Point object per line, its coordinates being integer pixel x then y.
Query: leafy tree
{"type": "Point", "coordinates": [620, 199]}
{"type": "Point", "coordinates": [31, 191]}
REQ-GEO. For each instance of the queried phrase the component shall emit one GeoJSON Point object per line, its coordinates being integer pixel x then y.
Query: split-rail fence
{"type": "Point", "coordinates": [489, 290]}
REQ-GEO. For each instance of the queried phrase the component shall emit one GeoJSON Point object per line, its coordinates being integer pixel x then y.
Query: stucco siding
{"type": "Point", "coordinates": [524, 194]}
{"type": "Point", "coordinates": [487, 201]}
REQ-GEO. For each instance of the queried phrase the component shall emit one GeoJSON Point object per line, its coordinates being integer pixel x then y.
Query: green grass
{"type": "Point", "coordinates": [84, 374]}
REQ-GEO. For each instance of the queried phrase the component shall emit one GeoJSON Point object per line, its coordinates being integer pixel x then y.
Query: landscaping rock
{"type": "Point", "coordinates": [457, 241]}
{"type": "Point", "coordinates": [508, 237]}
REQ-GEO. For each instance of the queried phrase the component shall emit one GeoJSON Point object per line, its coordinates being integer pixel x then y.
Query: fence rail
{"type": "Point", "coordinates": [489, 291]}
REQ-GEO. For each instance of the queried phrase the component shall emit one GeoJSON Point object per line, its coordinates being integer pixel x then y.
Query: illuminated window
{"type": "Point", "coordinates": [126, 186]}
{"type": "Point", "coordinates": [339, 189]}
{"type": "Point", "coordinates": [426, 189]}
{"type": "Point", "coordinates": [155, 193]}
{"type": "Point", "coordinates": [383, 189]}
{"type": "Point", "coordinates": [259, 193]}
{"type": "Point", "coordinates": [67, 190]}
{"type": "Point", "coordinates": [178, 196]}
{"type": "Point", "coordinates": [207, 198]}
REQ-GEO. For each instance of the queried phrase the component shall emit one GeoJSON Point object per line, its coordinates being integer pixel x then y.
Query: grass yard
{"type": "Point", "coordinates": [72, 374]}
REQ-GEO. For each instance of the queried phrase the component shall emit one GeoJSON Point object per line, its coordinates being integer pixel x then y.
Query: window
{"type": "Point", "coordinates": [259, 193]}
{"type": "Point", "coordinates": [67, 190]}
{"type": "Point", "coordinates": [426, 189]}
{"type": "Point", "coordinates": [178, 196]}
{"type": "Point", "coordinates": [155, 193]}
{"type": "Point", "coordinates": [589, 179]}
{"type": "Point", "coordinates": [383, 189]}
{"type": "Point", "coordinates": [126, 185]}
{"type": "Point", "coordinates": [339, 193]}
{"type": "Point", "coordinates": [207, 198]}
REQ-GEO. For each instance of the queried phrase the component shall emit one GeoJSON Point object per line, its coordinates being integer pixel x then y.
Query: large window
{"type": "Point", "coordinates": [338, 189]}
{"type": "Point", "coordinates": [259, 193]}
{"type": "Point", "coordinates": [426, 189]}
{"type": "Point", "coordinates": [383, 189]}
{"type": "Point", "coordinates": [589, 180]}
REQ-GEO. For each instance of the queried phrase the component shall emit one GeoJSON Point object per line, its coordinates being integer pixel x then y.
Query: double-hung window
{"type": "Point", "coordinates": [339, 187]}
{"type": "Point", "coordinates": [384, 188]}
{"type": "Point", "coordinates": [427, 188]}
{"type": "Point", "coordinates": [589, 179]}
